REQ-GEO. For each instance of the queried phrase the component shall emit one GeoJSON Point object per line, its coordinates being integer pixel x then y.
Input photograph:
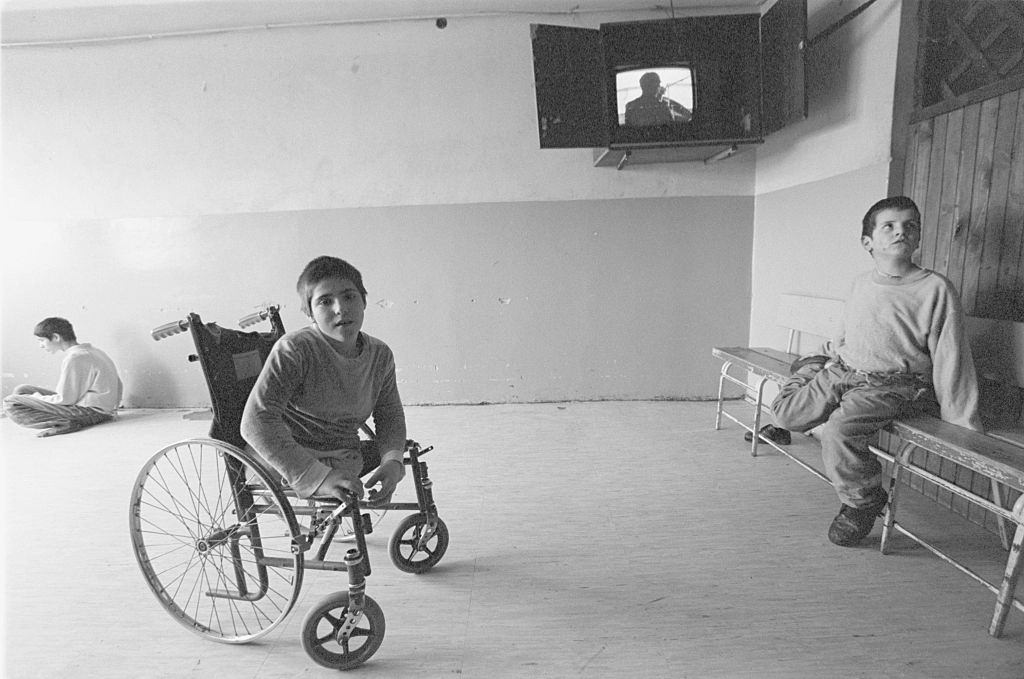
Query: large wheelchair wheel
{"type": "Point", "coordinates": [414, 548]}
{"type": "Point", "coordinates": [332, 640]}
{"type": "Point", "coordinates": [216, 540]}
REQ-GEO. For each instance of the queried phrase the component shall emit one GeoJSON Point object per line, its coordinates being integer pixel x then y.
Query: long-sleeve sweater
{"type": "Point", "coordinates": [913, 325]}
{"type": "Point", "coordinates": [88, 378]}
{"type": "Point", "coordinates": [310, 401]}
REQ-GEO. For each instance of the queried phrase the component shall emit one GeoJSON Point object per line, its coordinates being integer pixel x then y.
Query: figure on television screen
{"type": "Point", "coordinates": [652, 107]}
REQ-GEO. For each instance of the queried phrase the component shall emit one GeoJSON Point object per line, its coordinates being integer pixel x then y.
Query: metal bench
{"type": "Point", "coordinates": [998, 460]}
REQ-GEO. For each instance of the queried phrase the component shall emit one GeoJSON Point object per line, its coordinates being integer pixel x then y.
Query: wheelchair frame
{"type": "Point", "coordinates": [220, 541]}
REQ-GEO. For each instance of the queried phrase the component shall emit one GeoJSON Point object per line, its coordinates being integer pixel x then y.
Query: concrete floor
{"type": "Point", "coordinates": [587, 539]}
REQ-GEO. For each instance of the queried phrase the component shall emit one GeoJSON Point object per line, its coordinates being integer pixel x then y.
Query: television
{"type": "Point", "coordinates": [654, 95]}
{"type": "Point", "coordinates": [694, 81]}
{"type": "Point", "coordinates": [717, 60]}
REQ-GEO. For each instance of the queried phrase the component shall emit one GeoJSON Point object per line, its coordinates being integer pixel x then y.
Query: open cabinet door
{"type": "Point", "coordinates": [568, 75]}
{"type": "Point", "coordinates": [783, 41]}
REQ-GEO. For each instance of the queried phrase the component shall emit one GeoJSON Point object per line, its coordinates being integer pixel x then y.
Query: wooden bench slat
{"type": "Point", "coordinates": [762, 361]}
{"type": "Point", "coordinates": [984, 454]}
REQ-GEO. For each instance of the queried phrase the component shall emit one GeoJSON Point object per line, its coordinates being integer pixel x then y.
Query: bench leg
{"type": "Point", "coordinates": [755, 439]}
{"type": "Point", "coordinates": [997, 498]}
{"type": "Point", "coordinates": [721, 386]}
{"type": "Point", "coordinates": [1004, 599]}
{"type": "Point", "coordinates": [889, 517]}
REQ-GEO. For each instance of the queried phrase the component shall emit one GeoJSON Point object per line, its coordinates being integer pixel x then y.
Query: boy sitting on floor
{"type": "Point", "coordinates": [88, 391]}
{"type": "Point", "coordinates": [903, 348]}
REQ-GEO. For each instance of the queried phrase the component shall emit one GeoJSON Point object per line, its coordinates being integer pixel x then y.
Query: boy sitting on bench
{"type": "Point", "coordinates": [902, 349]}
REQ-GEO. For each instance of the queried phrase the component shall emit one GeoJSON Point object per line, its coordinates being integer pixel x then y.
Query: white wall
{"type": "Point", "coordinates": [850, 78]}
{"type": "Point", "coordinates": [146, 179]}
{"type": "Point", "coordinates": [815, 179]}
{"type": "Point", "coordinates": [294, 119]}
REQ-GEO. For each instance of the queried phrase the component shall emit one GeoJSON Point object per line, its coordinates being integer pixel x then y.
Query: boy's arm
{"type": "Point", "coordinates": [389, 426]}
{"type": "Point", "coordinates": [263, 424]}
{"type": "Point", "coordinates": [953, 373]}
{"type": "Point", "coordinates": [73, 384]}
{"type": "Point", "coordinates": [389, 416]}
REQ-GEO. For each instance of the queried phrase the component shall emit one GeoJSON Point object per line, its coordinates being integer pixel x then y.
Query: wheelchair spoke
{"type": "Point", "coordinates": [176, 538]}
{"type": "Point", "coordinates": [187, 519]}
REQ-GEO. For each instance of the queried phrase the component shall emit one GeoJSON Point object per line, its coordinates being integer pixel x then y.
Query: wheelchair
{"type": "Point", "coordinates": [223, 543]}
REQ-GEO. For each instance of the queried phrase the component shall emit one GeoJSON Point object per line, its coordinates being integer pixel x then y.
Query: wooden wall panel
{"type": "Point", "coordinates": [1010, 284]}
{"type": "Point", "coordinates": [964, 191]}
{"type": "Point", "coordinates": [929, 200]}
{"type": "Point", "coordinates": [979, 203]}
{"type": "Point", "coordinates": [989, 303]}
{"type": "Point", "coordinates": [944, 226]}
{"type": "Point", "coordinates": [965, 169]}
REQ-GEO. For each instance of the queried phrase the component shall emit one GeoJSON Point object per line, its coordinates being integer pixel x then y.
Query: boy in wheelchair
{"type": "Point", "coordinates": [219, 540]}
{"type": "Point", "coordinates": [319, 385]}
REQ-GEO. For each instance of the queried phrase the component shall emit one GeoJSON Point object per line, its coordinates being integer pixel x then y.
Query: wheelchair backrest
{"type": "Point", "coordinates": [231, 362]}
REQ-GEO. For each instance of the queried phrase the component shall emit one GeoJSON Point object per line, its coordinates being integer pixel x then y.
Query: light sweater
{"type": "Point", "coordinates": [913, 325]}
{"type": "Point", "coordinates": [88, 378]}
{"type": "Point", "coordinates": [310, 401]}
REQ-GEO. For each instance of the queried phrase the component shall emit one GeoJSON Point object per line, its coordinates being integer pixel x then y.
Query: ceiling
{"type": "Point", "coordinates": [398, 8]}
{"type": "Point", "coordinates": [32, 21]}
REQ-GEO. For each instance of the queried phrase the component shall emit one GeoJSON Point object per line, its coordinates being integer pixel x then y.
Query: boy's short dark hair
{"type": "Point", "coordinates": [890, 203]}
{"type": "Point", "coordinates": [48, 327]}
{"type": "Point", "coordinates": [322, 268]}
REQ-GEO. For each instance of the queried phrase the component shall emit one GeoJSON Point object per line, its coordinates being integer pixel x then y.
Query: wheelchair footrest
{"type": "Point", "coordinates": [315, 564]}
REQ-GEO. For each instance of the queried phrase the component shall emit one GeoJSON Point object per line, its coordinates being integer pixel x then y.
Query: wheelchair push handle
{"type": "Point", "coordinates": [261, 315]}
{"type": "Point", "coordinates": [169, 329]}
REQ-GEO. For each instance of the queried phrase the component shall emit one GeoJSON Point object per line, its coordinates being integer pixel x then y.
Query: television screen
{"type": "Point", "coordinates": [690, 80]}
{"type": "Point", "coordinates": [654, 96]}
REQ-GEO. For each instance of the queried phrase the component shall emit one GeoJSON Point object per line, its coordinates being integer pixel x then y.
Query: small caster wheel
{"type": "Point", "coordinates": [325, 639]}
{"type": "Point", "coordinates": [413, 549]}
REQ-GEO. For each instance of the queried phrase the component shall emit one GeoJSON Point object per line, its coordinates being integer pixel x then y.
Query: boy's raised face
{"type": "Point", "coordinates": [896, 235]}
{"type": "Point", "coordinates": [337, 309]}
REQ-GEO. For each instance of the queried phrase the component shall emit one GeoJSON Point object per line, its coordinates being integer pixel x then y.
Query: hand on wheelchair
{"type": "Point", "coordinates": [388, 475]}
{"type": "Point", "coordinates": [338, 485]}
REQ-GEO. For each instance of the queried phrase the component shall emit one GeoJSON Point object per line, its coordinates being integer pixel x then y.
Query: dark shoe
{"type": "Point", "coordinates": [818, 361]}
{"type": "Point", "coordinates": [853, 524]}
{"type": "Point", "coordinates": [772, 433]}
